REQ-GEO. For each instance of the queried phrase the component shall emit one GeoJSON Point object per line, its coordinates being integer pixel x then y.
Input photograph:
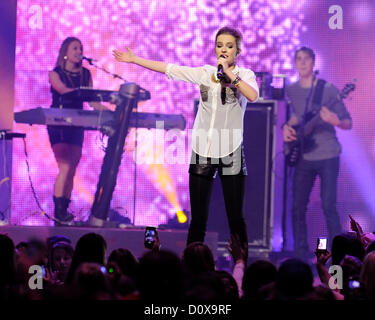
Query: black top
{"type": "Point", "coordinates": [71, 80]}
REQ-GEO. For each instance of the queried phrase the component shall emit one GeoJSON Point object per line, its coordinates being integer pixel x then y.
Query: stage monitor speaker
{"type": "Point", "coordinates": [259, 146]}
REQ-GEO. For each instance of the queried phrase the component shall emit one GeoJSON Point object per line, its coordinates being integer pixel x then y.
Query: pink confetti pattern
{"type": "Point", "coordinates": [180, 32]}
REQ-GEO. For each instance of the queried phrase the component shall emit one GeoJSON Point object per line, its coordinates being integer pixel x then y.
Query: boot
{"type": "Point", "coordinates": [62, 216]}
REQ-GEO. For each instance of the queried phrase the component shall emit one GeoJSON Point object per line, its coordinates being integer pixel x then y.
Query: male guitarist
{"type": "Point", "coordinates": [319, 156]}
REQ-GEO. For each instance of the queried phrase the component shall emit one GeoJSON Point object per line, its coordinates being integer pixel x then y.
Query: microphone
{"type": "Point", "coordinates": [316, 72]}
{"type": "Point", "coordinates": [89, 60]}
{"type": "Point", "coordinates": [220, 73]}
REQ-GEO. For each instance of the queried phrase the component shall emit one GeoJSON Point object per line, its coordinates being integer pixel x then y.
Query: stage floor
{"type": "Point", "coordinates": [131, 238]}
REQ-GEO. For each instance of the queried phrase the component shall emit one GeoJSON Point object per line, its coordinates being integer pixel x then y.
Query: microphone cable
{"type": "Point", "coordinates": [32, 185]}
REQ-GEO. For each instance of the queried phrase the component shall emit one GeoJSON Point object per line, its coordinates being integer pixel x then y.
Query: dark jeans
{"type": "Point", "coordinates": [303, 182]}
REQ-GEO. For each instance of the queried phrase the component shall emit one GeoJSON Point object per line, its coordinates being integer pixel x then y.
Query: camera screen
{"type": "Point", "coordinates": [354, 284]}
{"type": "Point", "coordinates": [150, 235]}
{"type": "Point", "coordinates": [322, 244]}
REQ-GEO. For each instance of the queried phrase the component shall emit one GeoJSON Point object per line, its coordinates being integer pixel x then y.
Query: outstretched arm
{"type": "Point", "coordinates": [128, 56]}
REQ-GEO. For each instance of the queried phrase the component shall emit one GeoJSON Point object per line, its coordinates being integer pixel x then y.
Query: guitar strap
{"type": "Point", "coordinates": [318, 95]}
{"type": "Point", "coordinates": [316, 103]}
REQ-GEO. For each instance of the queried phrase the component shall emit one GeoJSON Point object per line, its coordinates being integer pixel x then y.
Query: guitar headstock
{"type": "Point", "coordinates": [349, 87]}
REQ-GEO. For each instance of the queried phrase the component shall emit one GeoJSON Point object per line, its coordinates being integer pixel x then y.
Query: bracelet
{"type": "Point", "coordinates": [236, 82]}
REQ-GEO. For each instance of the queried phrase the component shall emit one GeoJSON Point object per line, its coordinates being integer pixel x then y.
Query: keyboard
{"type": "Point", "coordinates": [97, 120]}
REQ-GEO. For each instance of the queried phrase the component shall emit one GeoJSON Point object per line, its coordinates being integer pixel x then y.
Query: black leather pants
{"type": "Point", "coordinates": [201, 178]}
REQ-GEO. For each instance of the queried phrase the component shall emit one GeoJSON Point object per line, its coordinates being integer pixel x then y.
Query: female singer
{"type": "Point", "coordinates": [217, 132]}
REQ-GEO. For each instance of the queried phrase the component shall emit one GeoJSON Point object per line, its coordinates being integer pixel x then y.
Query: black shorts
{"type": "Point", "coordinates": [69, 135]}
{"type": "Point", "coordinates": [233, 164]}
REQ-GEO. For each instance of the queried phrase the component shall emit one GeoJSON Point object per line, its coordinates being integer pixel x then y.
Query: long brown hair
{"type": "Point", "coordinates": [64, 49]}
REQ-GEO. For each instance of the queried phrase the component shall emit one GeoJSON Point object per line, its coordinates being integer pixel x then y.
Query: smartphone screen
{"type": "Point", "coordinates": [150, 236]}
{"type": "Point", "coordinates": [354, 284]}
{"type": "Point", "coordinates": [322, 244]}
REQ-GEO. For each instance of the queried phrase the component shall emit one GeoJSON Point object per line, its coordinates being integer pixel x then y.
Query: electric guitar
{"type": "Point", "coordinates": [293, 149]}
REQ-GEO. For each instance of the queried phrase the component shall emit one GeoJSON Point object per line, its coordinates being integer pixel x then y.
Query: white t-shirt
{"type": "Point", "coordinates": [218, 128]}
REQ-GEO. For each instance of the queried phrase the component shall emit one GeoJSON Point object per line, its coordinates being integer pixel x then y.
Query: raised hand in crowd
{"type": "Point", "coordinates": [365, 237]}
{"type": "Point", "coordinates": [236, 249]}
{"type": "Point", "coordinates": [321, 260]}
{"type": "Point", "coordinates": [322, 256]}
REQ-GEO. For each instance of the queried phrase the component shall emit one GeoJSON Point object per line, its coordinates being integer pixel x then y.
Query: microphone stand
{"type": "Point", "coordinates": [105, 70]}
{"type": "Point", "coordinates": [135, 162]}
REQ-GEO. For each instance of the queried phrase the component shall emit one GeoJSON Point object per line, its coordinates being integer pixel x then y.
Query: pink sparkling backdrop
{"type": "Point", "coordinates": [180, 32]}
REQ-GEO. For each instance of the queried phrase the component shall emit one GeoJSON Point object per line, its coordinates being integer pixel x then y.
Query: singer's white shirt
{"type": "Point", "coordinates": [218, 128]}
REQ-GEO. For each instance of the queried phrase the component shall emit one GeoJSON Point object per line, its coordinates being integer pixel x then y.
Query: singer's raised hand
{"type": "Point", "coordinates": [124, 56]}
{"type": "Point", "coordinates": [128, 56]}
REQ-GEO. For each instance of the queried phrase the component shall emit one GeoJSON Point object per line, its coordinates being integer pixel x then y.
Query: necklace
{"type": "Point", "coordinates": [69, 74]}
{"type": "Point", "coordinates": [214, 78]}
